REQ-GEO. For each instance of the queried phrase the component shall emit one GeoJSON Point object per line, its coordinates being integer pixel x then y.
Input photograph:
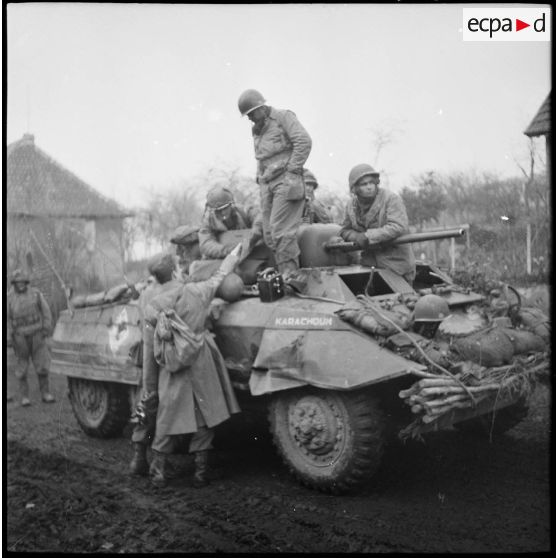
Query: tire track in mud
{"type": "Point", "coordinates": [449, 495]}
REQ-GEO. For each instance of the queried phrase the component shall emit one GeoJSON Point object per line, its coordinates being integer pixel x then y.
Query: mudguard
{"type": "Point", "coordinates": [95, 342]}
{"type": "Point", "coordinates": [296, 349]}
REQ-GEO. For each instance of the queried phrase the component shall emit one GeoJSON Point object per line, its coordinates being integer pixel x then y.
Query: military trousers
{"type": "Point", "coordinates": [201, 439]}
{"type": "Point", "coordinates": [144, 433]}
{"type": "Point", "coordinates": [31, 347]}
{"type": "Point", "coordinates": [281, 218]}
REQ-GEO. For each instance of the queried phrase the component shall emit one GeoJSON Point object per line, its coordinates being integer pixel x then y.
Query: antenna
{"type": "Point", "coordinates": [28, 111]}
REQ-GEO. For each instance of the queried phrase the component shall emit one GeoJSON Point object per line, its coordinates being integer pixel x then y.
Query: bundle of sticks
{"type": "Point", "coordinates": [434, 394]}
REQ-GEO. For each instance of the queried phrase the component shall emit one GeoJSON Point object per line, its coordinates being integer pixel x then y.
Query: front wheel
{"type": "Point", "coordinates": [102, 409]}
{"type": "Point", "coordinates": [331, 441]}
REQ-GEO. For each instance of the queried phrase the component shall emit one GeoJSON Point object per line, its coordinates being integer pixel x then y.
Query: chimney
{"type": "Point", "coordinates": [28, 139]}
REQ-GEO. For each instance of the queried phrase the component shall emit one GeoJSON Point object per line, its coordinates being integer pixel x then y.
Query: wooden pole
{"type": "Point", "coordinates": [528, 248]}
{"type": "Point", "coordinates": [452, 253]}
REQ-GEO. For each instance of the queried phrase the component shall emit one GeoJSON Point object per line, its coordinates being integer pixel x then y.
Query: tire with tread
{"type": "Point", "coordinates": [497, 423]}
{"type": "Point", "coordinates": [102, 409]}
{"type": "Point", "coordinates": [330, 440]}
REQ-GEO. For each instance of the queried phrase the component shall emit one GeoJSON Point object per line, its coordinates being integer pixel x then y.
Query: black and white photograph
{"type": "Point", "coordinates": [279, 278]}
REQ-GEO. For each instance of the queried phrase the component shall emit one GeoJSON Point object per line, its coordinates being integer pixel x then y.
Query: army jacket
{"type": "Point", "coordinates": [28, 313]}
{"type": "Point", "coordinates": [282, 145]}
{"type": "Point", "coordinates": [212, 226]}
{"type": "Point", "coordinates": [315, 212]}
{"type": "Point", "coordinates": [385, 220]}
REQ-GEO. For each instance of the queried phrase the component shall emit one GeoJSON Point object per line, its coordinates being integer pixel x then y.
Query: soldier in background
{"type": "Point", "coordinates": [314, 211]}
{"type": "Point", "coordinates": [221, 215]}
{"type": "Point", "coordinates": [29, 324]}
{"type": "Point", "coordinates": [187, 244]}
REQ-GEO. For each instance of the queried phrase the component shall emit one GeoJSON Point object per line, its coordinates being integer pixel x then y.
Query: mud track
{"type": "Point", "coordinates": [70, 493]}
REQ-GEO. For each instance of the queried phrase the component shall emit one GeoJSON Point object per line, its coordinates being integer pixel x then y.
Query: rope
{"type": "Point", "coordinates": [366, 299]}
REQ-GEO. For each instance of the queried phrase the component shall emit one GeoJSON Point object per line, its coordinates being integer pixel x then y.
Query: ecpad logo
{"type": "Point", "coordinates": [506, 24]}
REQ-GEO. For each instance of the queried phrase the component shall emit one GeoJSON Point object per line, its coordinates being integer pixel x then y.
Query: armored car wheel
{"type": "Point", "coordinates": [102, 409]}
{"type": "Point", "coordinates": [497, 423]}
{"type": "Point", "coordinates": [332, 441]}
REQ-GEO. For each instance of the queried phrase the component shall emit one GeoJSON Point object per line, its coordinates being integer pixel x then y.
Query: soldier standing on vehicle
{"type": "Point", "coordinates": [222, 214]}
{"type": "Point", "coordinates": [196, 398]}
{"type": "Point", "coordinates": [187, 248]}
{"type": "Point", "coordinates": [161, 267]}
{"type": "Point", "coordinates": [29, 324]}
{"type": "Point", "coordinates": [314, 210]}
{"type": "Point", "coordinates": [281, 146]}
{"type": "Point", "coordinates": [373, 217]}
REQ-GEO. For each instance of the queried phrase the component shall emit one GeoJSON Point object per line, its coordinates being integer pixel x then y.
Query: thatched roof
{"type": "Point", "coordinates": [37, 185]}
{"type": "Point", "coordinates": [541, 123]}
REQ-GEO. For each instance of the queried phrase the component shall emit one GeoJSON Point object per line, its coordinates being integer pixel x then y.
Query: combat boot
{"type": "Point", "coordinates": [24, 392]}
{"type": "Point", "coordinates": [139, 465]}
{"type": "Point", "coordinates": [43, 387]}
{"type": "Point", "coordinates": [157, 469]}
{"type": "Point", "coordinates": [201, 473]}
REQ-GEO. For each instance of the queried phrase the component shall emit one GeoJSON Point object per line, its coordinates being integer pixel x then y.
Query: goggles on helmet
{"type": "Point", "coordinates": [222, 207]}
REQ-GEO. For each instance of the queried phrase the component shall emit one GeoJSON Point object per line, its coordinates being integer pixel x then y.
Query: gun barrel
{"type": "Point", "coordinates": [428, 235]}
{"type": "Point", "coordinates": [403, 239]}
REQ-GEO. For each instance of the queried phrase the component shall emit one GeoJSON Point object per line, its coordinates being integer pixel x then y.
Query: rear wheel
{"type": "Point", "coordinates": [332, 441]}
{"type": "Point", "coordinates": [497, 422]}
{"type": "Point", "coordinates": [102, 409]}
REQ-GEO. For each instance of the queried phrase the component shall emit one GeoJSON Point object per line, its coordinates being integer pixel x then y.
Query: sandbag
{"type": "Point", "coordinates": [534, 320]}
{"type": "Point", "coordinates": [525, 341]}
{"type": "Point", "coordinates": [115, 293]}
{"type": "Point", "coordinates": [78, 301]}
{"type": "Point", "coordinates": [489, 347]}
{"type": "Point", "coordinates": [376, 320]}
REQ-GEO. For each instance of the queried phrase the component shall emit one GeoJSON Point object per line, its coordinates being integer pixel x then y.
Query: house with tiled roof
{"type": "Point", "coordinates": [541, 125]}
{"type": "Point", "coordinates": [59, 228]}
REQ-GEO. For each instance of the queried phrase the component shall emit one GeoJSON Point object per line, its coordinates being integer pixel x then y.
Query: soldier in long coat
{"type": "Point", "coordinates": [373, 217]}
{"type": "Point", "coordinates": [195, 399]}
{"type": "Point", "coordinates": [281, 147]}
{"type": "Point", "coordinates": [29, 324]}
{"type": "Point", "coordinates": [161, 268]}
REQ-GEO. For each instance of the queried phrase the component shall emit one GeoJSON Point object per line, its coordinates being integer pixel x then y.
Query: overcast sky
{"type": "Point", "coordinates": [136, 96]}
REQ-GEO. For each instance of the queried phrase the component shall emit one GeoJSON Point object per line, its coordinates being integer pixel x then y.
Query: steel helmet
{"type": "Point", "coordinates": [431, 308]}
{"type": "Point", "coordinates": [231, 288]}
{"type": "Point", "coordinates": [357, 172]}
{"type": "Point", "coordinates": [219, 197]}
{"type": "Point", "coordinates": [249, 101]}
{"type": "Point", "coordinates": [309, 178]}
{"type": "Point", "coordinates": [19, 276]}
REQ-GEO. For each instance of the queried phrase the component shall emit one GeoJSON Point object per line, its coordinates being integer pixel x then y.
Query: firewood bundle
{"type": "Point", "coordinates": [435, 394]}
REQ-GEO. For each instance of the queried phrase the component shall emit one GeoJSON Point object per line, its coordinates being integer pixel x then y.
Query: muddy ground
{"type": "Point", "coordinates": [67, 492]}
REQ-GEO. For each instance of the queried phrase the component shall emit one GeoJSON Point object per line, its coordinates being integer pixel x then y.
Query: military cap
{"type": "Point", "coordinates": [185, 234]}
